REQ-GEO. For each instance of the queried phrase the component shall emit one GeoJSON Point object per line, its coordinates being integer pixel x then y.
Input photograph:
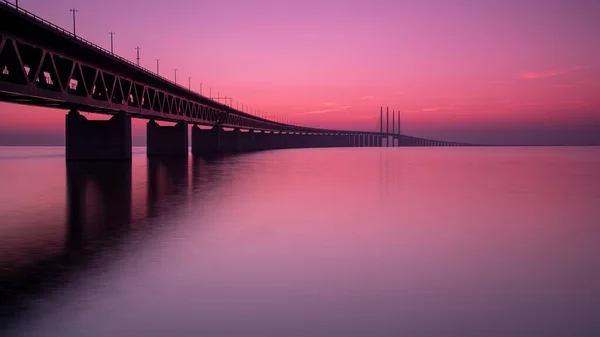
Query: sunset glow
{"type": "Point", "coordinates": [504, 72]}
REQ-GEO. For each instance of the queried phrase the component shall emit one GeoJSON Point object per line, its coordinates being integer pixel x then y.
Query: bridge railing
{"type": "Point", "coordinates": [108, 53]}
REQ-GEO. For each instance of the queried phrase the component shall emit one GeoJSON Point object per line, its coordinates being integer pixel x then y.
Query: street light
{"type": "Point", "coordinates": [74, 11]}
{"type": "Point", "coordinates": [157, 66]}
{"type": "Point", "coordinates": [138, 55]}
{"type": "Point", "coordinates": [189, 83]}
{"type": "Point", "coordinates": [175, 75]}
{"type": "Point", "coordinates": [111, 41]}
{"type": "Point", "coordinates": [200, 88]}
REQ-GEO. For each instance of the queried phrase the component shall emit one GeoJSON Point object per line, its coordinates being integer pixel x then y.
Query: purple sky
{"type": "Point", "coordinates": [506, 71]}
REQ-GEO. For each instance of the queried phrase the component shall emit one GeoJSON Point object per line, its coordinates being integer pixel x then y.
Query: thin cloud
{"type": "Point", "coordinates": [327, 110]}
{"type": "Point", "coordinates": [437, 108]}
{"type": "Point", "coordinates": [367, 97]}
{"type": "Point", "coordinates": [538, 75]}
{"type": "Point", "coordinates": [328, 104]}
{"type": "Point", "coordinates": [364, 117]}
{"type": "Point", "coordinates": [532, 75]}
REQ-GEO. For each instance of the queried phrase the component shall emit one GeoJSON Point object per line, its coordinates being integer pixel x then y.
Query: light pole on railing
{"type": "Point", "coordinates": [17, 4]}
{"type": "Point", "coordinates": [189, 83]}
{"type": "Point", "coordinates": [157, 60]}
{"type": "Point", "coordinates": [200, 88]}
{"type": "Point", "coordinates": [111, 42]}
{"type": "Point", "coordinates": [74, 11]}
{"type": "Point", "coordinates": [175, 75]}
{"type": "Point", "coordinates": [138, 55]}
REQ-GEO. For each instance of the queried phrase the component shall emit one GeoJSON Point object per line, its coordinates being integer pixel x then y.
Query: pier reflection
{"type": "Point", "coordinates": [98, 202]}
{"type": "Point", "coordinates": [95, 218]}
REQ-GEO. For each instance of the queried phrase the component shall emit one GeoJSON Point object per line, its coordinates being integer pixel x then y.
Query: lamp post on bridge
{"type": "Point", "coordinates": [189, 83]}
{"type": "Point", "coordinates": [138, 55]}
{"type": "Point", "coordinates": [200, 88]}
{"type": "Point", "coordinates": [157, 60]}
{"type": "Point", "coordinates": [111, 41]}
{"type": "Point", "coordinates": [175, 75]}
{"type": "Point", "coordinates": [74, 11]}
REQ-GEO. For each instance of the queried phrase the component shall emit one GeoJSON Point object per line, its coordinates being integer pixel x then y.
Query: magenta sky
{"type": "Point", "coordinates": [511, 71]}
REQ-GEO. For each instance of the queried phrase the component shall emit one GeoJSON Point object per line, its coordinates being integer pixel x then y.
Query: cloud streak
{"type": "Point", "coordinates": [538, 75]}
{"type": "Point", "coordinates": [335, 109]}
{"type": "Point", "coordinates": [367, 97]}
{"type": "Point", "coordinates": [532, 75]}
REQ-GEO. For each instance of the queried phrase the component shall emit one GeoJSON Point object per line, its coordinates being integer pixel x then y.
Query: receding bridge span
{"type": "Point", "coordinates": [42, 64]}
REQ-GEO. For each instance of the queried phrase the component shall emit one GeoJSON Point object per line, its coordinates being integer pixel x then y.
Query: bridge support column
{"type": "Point", "coordinates": [166, 140]}
{"type": "Point", "coordinates": [97, 140]}
{"type": "Point", "coordinates": [247, 141]}
{"type": "Point", "coordinates": [258, 142]}
{"type": "Point", "coordinates": [230, 141]}
{"type": "Point", "coordinates": [205, 142]}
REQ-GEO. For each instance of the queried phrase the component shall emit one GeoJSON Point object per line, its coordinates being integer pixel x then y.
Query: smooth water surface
{"type": "Point", "coordinates": [314, 242]}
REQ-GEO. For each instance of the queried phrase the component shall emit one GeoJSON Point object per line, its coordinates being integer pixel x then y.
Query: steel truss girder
{"type": "Point", "coordinates": [75, 84]}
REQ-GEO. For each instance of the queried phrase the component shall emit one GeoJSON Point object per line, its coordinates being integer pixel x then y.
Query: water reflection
{"type": "Point", "coordinates": [98, 202]}
{"type": "Point", "coordinates": [167, 177]}
{"type": "Point", "coordinates": [98, 217]}
{"type": "Point", "coordinates": [323, 242]}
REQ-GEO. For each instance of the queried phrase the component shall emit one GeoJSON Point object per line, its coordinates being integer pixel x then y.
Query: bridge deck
{"type": "Point", "coordinates": [44, 65]}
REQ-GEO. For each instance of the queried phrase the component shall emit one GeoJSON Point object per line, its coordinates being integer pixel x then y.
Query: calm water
{"type": "Point", "coordinates": [322, 242]}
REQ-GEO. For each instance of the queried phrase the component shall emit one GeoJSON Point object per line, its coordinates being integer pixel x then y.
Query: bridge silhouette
{"type": "Point", "coordinates": [42, 64]}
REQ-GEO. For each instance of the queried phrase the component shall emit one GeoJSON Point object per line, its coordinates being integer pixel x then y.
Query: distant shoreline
{"type": "Point", "coordinates": [486, 145]}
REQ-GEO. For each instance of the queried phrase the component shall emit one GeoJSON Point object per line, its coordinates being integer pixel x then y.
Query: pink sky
{"type": "Point", "coordinates": [476, 71]}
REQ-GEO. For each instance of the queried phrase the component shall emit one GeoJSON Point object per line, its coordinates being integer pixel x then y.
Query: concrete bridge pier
{"type": "Point", "coordinates": [230, 141]}
{"type": "Point", "coordinates": [97, 140]}
{"type": "Point", "coordinates": [344, 140]}
{"type": "Point", "coordinates": [258, 138]}
{"type": "Point", "coordinates": [332, 140]}
{"type": "Point", "coordinates": [205, 142]}
{"type": "Point", "coordinates": [287, 140]}
{"type": "Point", "coordinates": [166, 140]}
{"type": "Point", "coordinates": [247, 141]}
{"type": "Point", "coordinates": [275, 140]}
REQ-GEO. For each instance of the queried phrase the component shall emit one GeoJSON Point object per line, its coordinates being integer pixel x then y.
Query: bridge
{"type": "Point", "coordinates": [44, 65]}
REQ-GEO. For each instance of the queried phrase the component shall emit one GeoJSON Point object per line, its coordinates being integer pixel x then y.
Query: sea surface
{"type": "Point", "coordinates": [501, 241]}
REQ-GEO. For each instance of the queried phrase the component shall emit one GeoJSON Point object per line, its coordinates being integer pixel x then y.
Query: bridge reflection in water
{"type": "Point", "coordinates": [103, 208]}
